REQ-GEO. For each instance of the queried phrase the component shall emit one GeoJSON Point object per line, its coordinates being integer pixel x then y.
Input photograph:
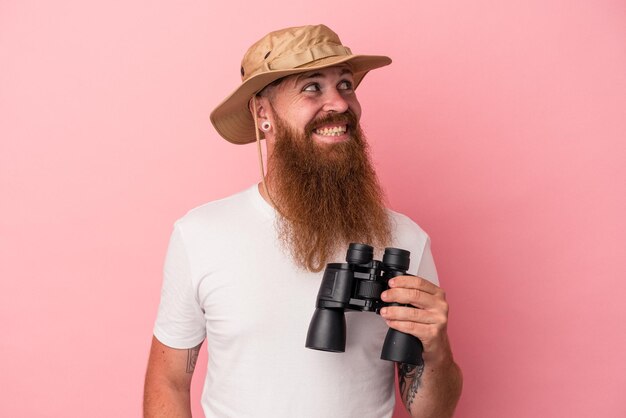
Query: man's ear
{"type": "Point", "coordinates": [261, 106]}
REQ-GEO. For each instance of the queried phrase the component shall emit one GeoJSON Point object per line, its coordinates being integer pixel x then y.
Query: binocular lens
{"type": "Point", "coordinates": [359, 254]}
{"type": "Point", "coordinates": [397, 259]}
{"type": "Point", "coordinates": [402, 348]}
{"type": "Point", "coordinates": [327, 331]}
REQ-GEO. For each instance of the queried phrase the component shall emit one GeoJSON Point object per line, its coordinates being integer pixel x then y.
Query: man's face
{"type": "Point", "coordinates": [312, 104]}
{"type": "Point", "coordinates": [322, 181]}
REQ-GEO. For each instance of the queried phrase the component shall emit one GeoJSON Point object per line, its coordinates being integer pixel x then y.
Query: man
{"type": "Point", "coordinates": [243, 272]}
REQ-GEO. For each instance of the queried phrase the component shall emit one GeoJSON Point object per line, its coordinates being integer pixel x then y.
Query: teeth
{"type": "Point", "coordinates": [334, 131]}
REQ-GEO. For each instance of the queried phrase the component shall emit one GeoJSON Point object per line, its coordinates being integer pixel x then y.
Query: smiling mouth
{"type": "Point", "coordinates": [331, 130]}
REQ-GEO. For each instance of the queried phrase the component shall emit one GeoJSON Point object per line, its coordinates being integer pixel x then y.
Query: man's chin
{"type": "Point", "coordinates": [333, 150]}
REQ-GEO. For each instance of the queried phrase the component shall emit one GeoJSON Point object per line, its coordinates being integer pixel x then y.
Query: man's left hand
{"type": "Point", "coordinates": [426, 317]}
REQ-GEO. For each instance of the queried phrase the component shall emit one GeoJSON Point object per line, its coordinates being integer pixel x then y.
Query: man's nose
{"type": "Point", "coordinates": [334, 101]}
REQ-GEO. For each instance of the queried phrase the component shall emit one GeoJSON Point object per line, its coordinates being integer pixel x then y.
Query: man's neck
{"type": "Point", "coordinates": [264, 192]}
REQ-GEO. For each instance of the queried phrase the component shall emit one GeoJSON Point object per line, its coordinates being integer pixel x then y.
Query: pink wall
{"type": "Point", "coordinates": [500, 128]}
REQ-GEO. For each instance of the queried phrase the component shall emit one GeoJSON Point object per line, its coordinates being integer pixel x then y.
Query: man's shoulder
{"type": "Point", "coordinates": [236, 206]}
{"type": "Point", "coordinates": [406, 232]}
{"type": "Point", "coordinates": [400, 221]}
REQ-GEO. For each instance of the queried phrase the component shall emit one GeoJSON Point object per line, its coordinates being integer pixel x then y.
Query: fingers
{"type": "Point", "coordinates": [427, 325]}
{"type": "Point", "coordinates": [425, 315]}
{"type": "Point", "coordinates": [415, 282]}
{"type": "Point", "coordinates": [422, 331]}
{"type": "Point", "coordinates": [433, 337]}
{"type": "Point", "coordinates": [415, 291]}
{"type": "Point", "coordinates": [404, 313]}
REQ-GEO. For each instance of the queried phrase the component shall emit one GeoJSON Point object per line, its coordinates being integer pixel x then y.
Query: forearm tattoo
{"type": "Point", "coordinates": [410, 379]}
{"type": "Point", "coordinates": [192, 358]}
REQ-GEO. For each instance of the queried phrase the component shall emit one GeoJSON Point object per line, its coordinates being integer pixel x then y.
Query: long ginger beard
{"type": "Point", "coordinates": [327, 195]}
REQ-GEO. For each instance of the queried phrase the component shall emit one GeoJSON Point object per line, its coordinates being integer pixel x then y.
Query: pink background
{"type": "Point", "coordinates": [500, 128]}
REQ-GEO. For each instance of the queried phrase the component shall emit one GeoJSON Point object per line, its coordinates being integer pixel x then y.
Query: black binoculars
{"type": "Point", "coordinates": [357, 285]}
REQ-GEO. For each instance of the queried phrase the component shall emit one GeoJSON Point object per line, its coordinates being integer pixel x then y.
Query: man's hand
{"type": "Point", "coordinates": [433, 388]}
{"type": "Point", "coordinates": [426, 318]}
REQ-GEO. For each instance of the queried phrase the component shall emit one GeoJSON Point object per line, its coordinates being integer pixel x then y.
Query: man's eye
{"type": "Point", "coordinates": [345, 85]}
{"type": "Point", "coordinates": [311, 87]}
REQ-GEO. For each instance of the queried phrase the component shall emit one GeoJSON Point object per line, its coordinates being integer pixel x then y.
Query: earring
{"type": "Point", "coordinates": [265, 126]}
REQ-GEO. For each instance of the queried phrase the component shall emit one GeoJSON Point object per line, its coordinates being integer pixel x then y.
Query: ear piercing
{"type": "Point", "coordinates": [265, 126]}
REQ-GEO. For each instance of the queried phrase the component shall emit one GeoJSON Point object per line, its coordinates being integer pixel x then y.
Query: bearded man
{"type": "Point", "coordinates": [243, 272]}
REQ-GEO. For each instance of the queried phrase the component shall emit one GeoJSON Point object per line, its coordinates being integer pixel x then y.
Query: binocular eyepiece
{"type": "Point", "coordinates": [357, 285]}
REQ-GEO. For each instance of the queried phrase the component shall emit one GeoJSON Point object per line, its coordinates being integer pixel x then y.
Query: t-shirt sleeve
{"type": "Point", "coordinates": [180, 319]}
{"type": "Point", "coordinates": [427, 268]}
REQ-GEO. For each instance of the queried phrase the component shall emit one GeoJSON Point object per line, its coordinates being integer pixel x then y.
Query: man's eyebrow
{"type": "Point", "coordinates": [345, 71]}
{"type": "Point", "coordinates": [306, 76]}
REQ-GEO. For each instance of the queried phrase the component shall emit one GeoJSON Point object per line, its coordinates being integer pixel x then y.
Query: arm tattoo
{"type": "Point", "coordinates": [192, 358]}
{"type": "Point", "coordinates": [410, 379]}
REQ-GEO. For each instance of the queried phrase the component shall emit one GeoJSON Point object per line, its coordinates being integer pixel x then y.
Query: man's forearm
{"type": "Point", "coordinates": [430, 391]}
{"type": "Point", "coordinates": [168, 381]}
{"type": "Point", "coordinates": [163, 400]}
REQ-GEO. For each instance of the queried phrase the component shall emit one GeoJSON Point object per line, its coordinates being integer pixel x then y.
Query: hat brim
{"type": "Point", "coordinates": [232, 118]}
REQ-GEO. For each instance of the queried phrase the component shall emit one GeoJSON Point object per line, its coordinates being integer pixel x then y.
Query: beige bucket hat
{"type": "Point", "coordinates": [279, 54]}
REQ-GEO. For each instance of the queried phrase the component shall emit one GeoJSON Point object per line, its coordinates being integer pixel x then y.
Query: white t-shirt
{"type": "Point", "coordinates": [227, 279]}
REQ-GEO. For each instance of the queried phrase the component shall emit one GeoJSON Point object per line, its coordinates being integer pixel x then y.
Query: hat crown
{"type": "Point", "coordinates": [291, 48]}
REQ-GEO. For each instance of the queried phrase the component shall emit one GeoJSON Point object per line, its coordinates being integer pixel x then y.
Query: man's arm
{"type": "Point", "coordinates": [432, 389]}
{"type": "Point", "coordinates": [168, 380]}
